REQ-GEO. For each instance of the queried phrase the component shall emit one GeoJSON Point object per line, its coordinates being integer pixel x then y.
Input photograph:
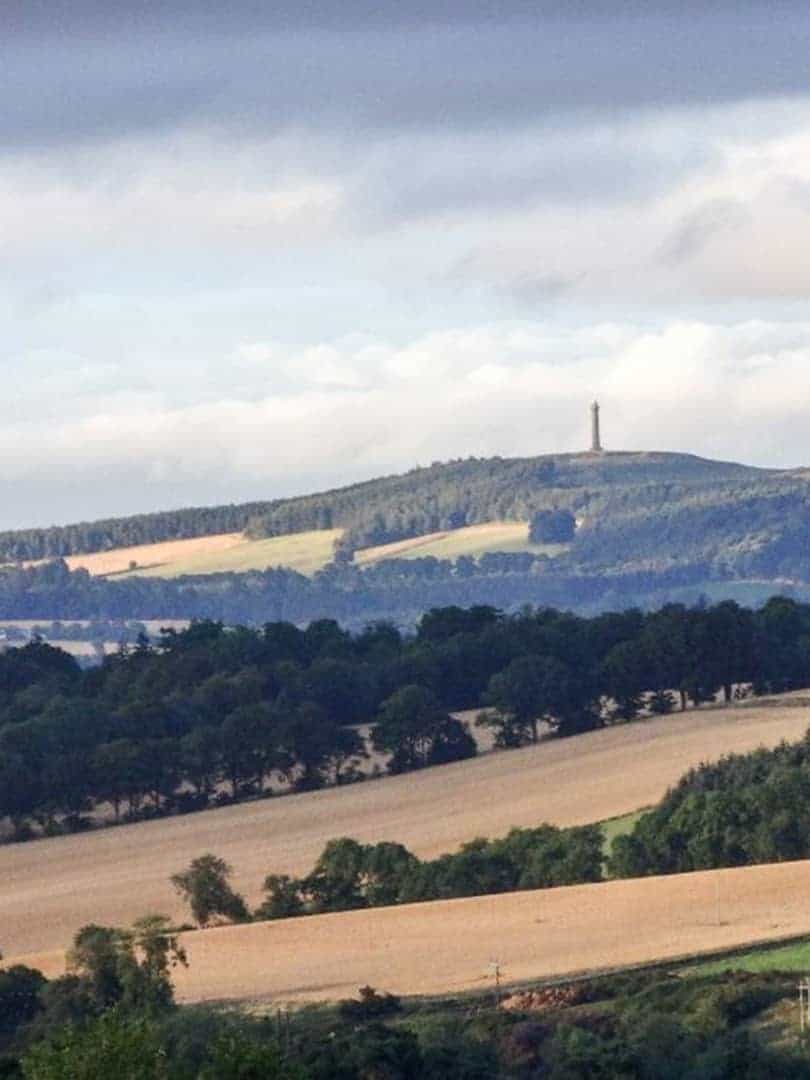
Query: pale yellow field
{"type": "Point", "coordinates": [154, 556]}
{"type": "Point", "coordinates": [49, 888]}
{"type": "Point", "coordinates": [473, 540]}
{"type": "Point", "coordinates": [305, 552]}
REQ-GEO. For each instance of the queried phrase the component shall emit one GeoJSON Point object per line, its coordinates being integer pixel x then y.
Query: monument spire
{"type": "Point", "coordinates": [596, 442]}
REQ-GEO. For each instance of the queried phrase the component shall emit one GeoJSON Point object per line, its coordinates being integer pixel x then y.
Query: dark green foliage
{"type": "Point", "coordinates": [205, 887]}
{"type": "Point", "coordinates": [369, 1005]}
{"type": "Point", "coordinates": [130, 968]}
{"type": "Point", "coordinates": [534, 689]}
{"type": "Point", "coordinates": [745, 809]}
{"type": "Point", "coordinates": [20, 990]}
{"type": "Point", "coordinates": [552, 527]}
{"type": "Point", "coordinates": [114, 1045]}
{"type": "Point", "coordinates": [213, 713]}
{"type": "Point", "coordinates": [642, 1026]}
{"type": "Point", "coordinates": [416, 731]}
{"type": "Point", "coordinates": [283, 898]}
{"type": "Point", "coordinates": [238, 1056]}
{"type": "Point", "coordinates": [350, 875]}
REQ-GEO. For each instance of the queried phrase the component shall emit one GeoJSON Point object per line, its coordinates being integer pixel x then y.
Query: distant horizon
{"type": "Point", "coordinates": [606, 452]}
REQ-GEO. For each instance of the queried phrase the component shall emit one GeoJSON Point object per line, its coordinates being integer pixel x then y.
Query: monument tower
{"type": "Point", "coordinates": [596, 442]}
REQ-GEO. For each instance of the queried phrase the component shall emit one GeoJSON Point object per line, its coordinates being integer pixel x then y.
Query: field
{"type": "Point", "coordinates": [619, 826]}
{"type": "Point", "coordinates": [449, 946]}
{"type": "Point", "coordinates": [793, 956]}
{"type": "Point", "coordinates": [147, 556]}
{"type": "Point", "coordinates": [474, 540]}
{"type": "Point", "coordinates": [305, 552]}
{"type": "Point", "coordinates": [49, 888]}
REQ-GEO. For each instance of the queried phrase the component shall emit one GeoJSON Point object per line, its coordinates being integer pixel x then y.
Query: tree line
{"type": "Point", "coordinates": [395, 589]}
{"type": "Point", "coordinates": [349, 875]}
{"type": "Point", "coordinates": [216, 713]}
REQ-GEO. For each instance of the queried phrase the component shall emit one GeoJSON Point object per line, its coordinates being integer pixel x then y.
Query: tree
{"type": "Point", "coordinates": [201, 757]}
{"type": "Point", "coordinates": [131, 968]}
{"type": "Point", "coordinates": [623, 675]}
{"type": "Point", "coordinates": [204, 886]}
{"type": "Point", "coordinates": [20, 1000]}
{"type": "Point", "coordinates": [114, 1045]}
{"type": "Point", "coordinates": [415, 731]}
{"type": "Point", "coordinates": [236, 1056]}
{"type": "Point", "coordinates": [552, 527]}
{"type": "Point", "coordinates": [336, 882]}
{"type": "Point", "coordinates": [283, 898]}
{"type": "Point", "coordinates": [531, 689]}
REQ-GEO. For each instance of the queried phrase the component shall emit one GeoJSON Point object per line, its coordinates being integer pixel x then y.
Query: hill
{"type": "Point", "coordinates": [650, 527]}
{"type": "Point", "coordinates": [49, 888]}
{"type": "Point", "coordinates": [424, 500]}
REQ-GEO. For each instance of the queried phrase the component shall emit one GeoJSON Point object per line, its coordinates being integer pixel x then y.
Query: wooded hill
{"type": "Point", "coordinates": [443, 496]}
{"type": "Point", "coordinates": [646, 526]}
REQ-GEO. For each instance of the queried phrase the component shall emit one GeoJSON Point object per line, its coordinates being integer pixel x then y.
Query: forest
{"type": "Point", "coordinates": [214, 713]}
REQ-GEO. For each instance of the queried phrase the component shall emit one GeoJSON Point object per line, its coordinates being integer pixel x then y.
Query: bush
{"type": "Point", "coordinates": [369, 1005]}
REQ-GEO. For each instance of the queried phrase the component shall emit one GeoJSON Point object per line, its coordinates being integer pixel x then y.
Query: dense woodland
{"type": "Point", "coordinates": [216, 713]}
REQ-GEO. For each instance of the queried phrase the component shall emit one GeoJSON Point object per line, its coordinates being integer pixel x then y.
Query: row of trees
{"type": "Point", "coordinates": [395, 589]}
{"type": "Point", "coordinates": [215, 712]}
{"type": "Point", "coordinates": [350, 875]}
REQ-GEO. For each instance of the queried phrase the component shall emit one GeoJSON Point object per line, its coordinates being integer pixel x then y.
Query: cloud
{"type": "Point", "coordinates": [737, 391]}
{"type": "Point", "coordinates": [80, 73]}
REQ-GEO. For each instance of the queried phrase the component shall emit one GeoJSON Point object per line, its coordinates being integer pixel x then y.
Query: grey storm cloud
{"type": "Point", "coordinates": [78, 71]}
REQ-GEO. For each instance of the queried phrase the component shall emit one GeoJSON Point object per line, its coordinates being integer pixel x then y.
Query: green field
{"type": "Point", "coordinates": [794, 956]}
{"type": "Point", "coordinates": [619, 826]}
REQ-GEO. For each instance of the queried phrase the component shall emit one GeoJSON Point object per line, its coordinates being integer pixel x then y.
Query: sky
{"type": "Point", "coordinates": [257, 249]}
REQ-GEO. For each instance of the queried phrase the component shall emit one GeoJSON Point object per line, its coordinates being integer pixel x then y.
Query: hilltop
{"type": "Point", "coordinates": [645, 527]}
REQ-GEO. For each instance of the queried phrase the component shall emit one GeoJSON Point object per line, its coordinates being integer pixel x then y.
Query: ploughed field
{"type": "Point", "coordinates": [49, 888]}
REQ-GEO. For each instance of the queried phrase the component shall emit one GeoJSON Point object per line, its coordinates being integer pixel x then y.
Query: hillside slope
{"type": "Point", "coordinates": [49, 888]}
{"type": "Point", "coordinates": [651, 527]}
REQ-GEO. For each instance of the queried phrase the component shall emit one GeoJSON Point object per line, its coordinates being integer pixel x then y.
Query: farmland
{"type": "Point", "coordinates": [449, 946]}
{"type": "Point", "coordinates": [305, 552]}
{"type": "Point", "coordinates": [51, 887]}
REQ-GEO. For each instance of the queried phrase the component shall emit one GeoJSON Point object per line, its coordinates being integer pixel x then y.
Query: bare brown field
{"type": "Point", "coordinates": [49, 888]}
{"type": "Point", "coordinates": [449, 946]}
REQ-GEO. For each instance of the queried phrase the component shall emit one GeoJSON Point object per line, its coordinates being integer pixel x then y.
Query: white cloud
{"type": "Point", "coordinates": [737, 391]}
